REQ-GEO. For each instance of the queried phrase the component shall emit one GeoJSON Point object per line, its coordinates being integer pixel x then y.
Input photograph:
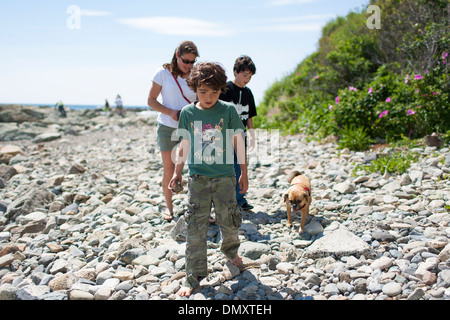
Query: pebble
{"type": "Point", "coordinates": [392, 289]}
{"type": "Point", "coordinates": [83, 221]}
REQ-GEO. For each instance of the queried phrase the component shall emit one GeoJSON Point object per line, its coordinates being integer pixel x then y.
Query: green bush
{"type": "Point", "coordinates": [392, 106]}
{"type": "Point", "coordinates": [396, 163]}
{"type": "Point", "coordinates": [354, 139]}
{"type": "Point", "coordinates": [386, 84]}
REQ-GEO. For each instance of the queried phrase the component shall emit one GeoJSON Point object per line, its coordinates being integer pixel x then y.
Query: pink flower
{"type": "Point", "coordinates": [388, 100]}
{"type": "Point", "coordinates": [385, 112]}
{"type": "Point", "coordinates": [444, 55]}
{"type": "Point", "coordinates": [370, 90]}
{"type": "Point", "coordinates": [352, 89]}
{"type": "Point", "coordinates": [411, 112]}
{"type": "Point", "coordinates": [418, 77]}
{"type": "Point", "coordinates": [337, 100]}
{"type": "Point", "coordinates": [407, 78]}
{"type": "Point", "coordinates": [435, 93]}
{"type": "Point", "coordinates": [330, 107]}
{"type": "Point", "coordinates": [316, 77]}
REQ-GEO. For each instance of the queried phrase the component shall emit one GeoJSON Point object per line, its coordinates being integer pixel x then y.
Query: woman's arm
{"type": "Point", "coordinates": [155, 90]}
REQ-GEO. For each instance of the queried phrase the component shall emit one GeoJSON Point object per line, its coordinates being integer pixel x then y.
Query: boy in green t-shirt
{"type": "Point", "coordinates": [211, 131]}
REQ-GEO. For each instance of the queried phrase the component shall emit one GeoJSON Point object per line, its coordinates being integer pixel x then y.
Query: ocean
{"type": "Point", "coordinates": [81, 107]}
{"type": "Point", "coordinates": [142, 110]}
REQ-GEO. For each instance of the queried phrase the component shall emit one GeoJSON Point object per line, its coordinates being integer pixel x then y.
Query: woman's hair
{"type": "Point", "coordinates": [244, 63]}
{"type": "Point", "coordinates": [210, 74]}
{"type": "Point", "coordinates": [183, 48]}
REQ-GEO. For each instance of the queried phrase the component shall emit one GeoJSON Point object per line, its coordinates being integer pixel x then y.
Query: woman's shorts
{"type": "Point", "coordinates": [167, 138]}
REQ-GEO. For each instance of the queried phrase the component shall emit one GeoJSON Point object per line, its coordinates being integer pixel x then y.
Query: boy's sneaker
{"type": "Point", "coordinates": [247, 207]}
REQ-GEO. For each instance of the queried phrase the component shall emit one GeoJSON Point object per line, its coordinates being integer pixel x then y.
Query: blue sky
{"type": "Point", "coordinates": [51, 51]}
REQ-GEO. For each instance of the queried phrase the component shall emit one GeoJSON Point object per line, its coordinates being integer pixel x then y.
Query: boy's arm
{"type": "Point", "coordinates": [251, 130]}
{"type": "Point", "coordinates": [185, 146]}
{"type": "Point", "coordinates": [239, 147]}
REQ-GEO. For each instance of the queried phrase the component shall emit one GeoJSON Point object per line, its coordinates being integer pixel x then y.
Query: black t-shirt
{"type": "Point", "coordinates": [242, 99]}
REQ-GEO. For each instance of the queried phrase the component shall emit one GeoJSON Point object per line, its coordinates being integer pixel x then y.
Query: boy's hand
{"type": "Point", "coordinates": [176, 184]}
{"type": "Point", "coordinates": [243, 183]}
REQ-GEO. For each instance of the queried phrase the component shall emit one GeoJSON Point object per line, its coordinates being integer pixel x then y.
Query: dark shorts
{"type": "Point", "coordinates": [166, 138]}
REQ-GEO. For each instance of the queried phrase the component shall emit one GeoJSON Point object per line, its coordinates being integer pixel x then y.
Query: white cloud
{"type": "Point", "coordinates": [292, 24]}
{"type": "Point", "coordinates": [292, 27]}
{"type": "Point", "coordinates": [279, 3]}
{"type": "Point", "coordinates": [94, 13]}
{"type": "Point", "coordinates": [317, 17]}
{"type": "Point", "coordinates": [178, 26]}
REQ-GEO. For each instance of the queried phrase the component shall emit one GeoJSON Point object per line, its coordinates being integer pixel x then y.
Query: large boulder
{"type": "Point", "coordinates": [339, 243]}
{"type": "Point", "coordinates": [35, 197]}
{"type": "Point", "coordinates": [20, 114]}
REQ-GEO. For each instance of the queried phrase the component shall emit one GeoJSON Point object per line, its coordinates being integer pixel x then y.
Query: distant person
{"type": "Point", "coordinates": [61, 109]}
{"type": "Point", "coordinates": [170, 81]}
{"type": "Point", "coordinates": [119, 106]}
{"type": "Point", "coordinates": [107, 108]}
{"type": "Point", "coordinates": [242, 98]}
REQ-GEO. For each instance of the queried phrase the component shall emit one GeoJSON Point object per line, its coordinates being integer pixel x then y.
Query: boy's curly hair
{"type": "Point", "coordinates": [244, 63]}
{"type": "Point", "coordinates": [210, 74]}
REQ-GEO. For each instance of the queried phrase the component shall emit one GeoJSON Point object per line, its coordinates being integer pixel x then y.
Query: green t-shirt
{"type": "Point", "coordinates": [211, 134]}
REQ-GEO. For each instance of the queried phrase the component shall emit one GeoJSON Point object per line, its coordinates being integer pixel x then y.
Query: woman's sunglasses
{"type": "Point", "coordinates": [188, 61]}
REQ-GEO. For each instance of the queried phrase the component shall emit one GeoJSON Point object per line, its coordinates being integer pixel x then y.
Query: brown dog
{"type": "Point", "coordinates": [298, 197]}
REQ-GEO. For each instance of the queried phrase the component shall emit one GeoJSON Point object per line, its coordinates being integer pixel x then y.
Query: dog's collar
{"type": "Point", "coordinates": [301, 207]}
{"type": "Point", "coordinates": [306, 188]}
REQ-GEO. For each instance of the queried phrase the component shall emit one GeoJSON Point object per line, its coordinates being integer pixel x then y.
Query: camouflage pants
{"type": "Point", "coordinates": [203, 192]}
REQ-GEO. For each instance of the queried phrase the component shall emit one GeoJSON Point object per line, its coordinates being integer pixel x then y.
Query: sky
{"type": "Point", "coordinates": [83, 52]}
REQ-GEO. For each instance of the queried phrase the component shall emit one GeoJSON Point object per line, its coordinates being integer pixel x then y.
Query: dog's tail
{"type": "Point", "coordinates": [293, 174]}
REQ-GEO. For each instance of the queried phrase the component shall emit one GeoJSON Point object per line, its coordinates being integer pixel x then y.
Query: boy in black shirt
{"type": "Point", "coordinates": [242, 98]}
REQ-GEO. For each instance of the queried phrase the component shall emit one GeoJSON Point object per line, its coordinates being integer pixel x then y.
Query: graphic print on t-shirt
{"type": "Point", "coordinates": [209, 141]}
{"type": "Point", "coordinates": [243, 111]}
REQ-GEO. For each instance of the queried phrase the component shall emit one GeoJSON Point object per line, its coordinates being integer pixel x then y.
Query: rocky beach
{"type": "Point", "coordinates": [81, 218]}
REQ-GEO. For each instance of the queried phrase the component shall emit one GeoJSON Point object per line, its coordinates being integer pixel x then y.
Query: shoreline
{"type": "Point", "coordinates": [81, 218]}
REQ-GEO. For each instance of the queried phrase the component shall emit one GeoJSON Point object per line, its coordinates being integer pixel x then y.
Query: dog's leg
{"type": "Point", "coordinates": [288, 210]}
{"type": "Point", "coordinates": [304, 213]}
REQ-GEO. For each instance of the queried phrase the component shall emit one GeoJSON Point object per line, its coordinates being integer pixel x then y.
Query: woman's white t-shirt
{"type": "Point", "coordinates": [171, 95]}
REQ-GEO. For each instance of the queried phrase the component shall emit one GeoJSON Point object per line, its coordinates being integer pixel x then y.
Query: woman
{"type": "Point", "coordinates": [170, 82]}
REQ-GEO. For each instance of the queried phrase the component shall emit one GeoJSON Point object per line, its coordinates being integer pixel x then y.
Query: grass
{"type": "Point", "coordinates": [397, 162]}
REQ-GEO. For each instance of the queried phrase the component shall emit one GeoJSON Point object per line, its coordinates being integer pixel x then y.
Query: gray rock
{"type": "Point", "coordinates": [339, 243]}
{"type": "Point", "coordinates": [392, 289]}
{"type": "Point", "coordinates": [35, 198]}
{"type": "Point", "coordinates": [344, 187]}
{"type": "Point", "coordinates": [47, 136]}
{"type": "Point", "coordinates": [314, 227]}
{"type": "Point", "coordinates": [253, 250]}
{"type": "Point", "coordinates": [8, 292]}
{"type": "Point", "coordinates": [101, 235]}
{"type": "Point", "coordinates": [178, 232]}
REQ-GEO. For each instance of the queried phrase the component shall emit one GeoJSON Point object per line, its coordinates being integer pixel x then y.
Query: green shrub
{"type": "Point", "coordinates": [354, 138]}
{"type": "Point", "coordinates": [390, 83]}
{"type": "Point", "coordinates": [392, 105]}
{"type": "Point", "coordinates": [396, 163]}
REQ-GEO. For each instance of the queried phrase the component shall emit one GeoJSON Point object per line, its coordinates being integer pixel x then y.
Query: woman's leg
{"type": "Point", "coordinates": [169, 168]}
